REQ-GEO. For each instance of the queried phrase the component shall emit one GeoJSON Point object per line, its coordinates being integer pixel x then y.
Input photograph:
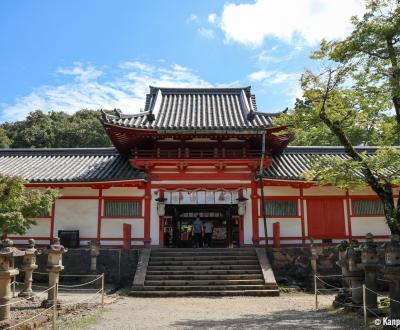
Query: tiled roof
{"type": "Point", "coordinates": [67, 165]}
{"type": "Point", "coordinates": [196, 109]}
{"type": "Point", "coordinates": [294, 161]}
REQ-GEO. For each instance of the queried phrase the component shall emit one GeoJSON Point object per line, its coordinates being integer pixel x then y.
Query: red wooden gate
{"type": "Point", "coordinates": [326, 218]}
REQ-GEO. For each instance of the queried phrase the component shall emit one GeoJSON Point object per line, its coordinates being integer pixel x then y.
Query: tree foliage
{"type": "Point", "coordinates": [57, 130]}
{"type": "Point", "coordinates": [354, 99]}
{"type": "Point", "coordinates": [19, 206]}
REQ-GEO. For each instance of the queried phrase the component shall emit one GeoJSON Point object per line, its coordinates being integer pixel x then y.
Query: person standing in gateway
{"type": "Point", "coordinates": [208, 231]}
{"type": "Point", "coordinates": [198, 232]}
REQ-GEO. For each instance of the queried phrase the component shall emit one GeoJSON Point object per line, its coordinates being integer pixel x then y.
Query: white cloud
{"type": "Point", "coordinates": [192, 19]}
{"type": "Point", "coordinates": [309, 20]}
{"type": "Point", "coordinates": [125, 91]}
{"type": "Point", "coordinates": [81, 73]}
{"type": "Point", "coordinates": [280, 83]}
{"type": "Point", "coordinates": [206, 33]}
{"type": "Point", "coordinates": [258, 75]}
{"type": "Point", "coordinates": [212, 18]}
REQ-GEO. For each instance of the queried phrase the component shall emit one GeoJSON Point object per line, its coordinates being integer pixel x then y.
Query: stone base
{"type": "Point", "coordinates": [6, 324]}
{"type": "Point", "coordinates": [48, 303]}
{"type": "Point", "coordinates": [26, 294]}
{"type": "Point", "coordinates": [342, 299]}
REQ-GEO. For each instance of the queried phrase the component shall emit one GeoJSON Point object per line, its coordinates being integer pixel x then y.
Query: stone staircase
{"type": "Point", "coordinates": [204, 272]}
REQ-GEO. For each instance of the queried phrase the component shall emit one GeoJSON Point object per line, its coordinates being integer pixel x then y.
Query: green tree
{"type": "Point", "coordinates": [352, 98]}
{"type": "Point", "coordinates": [58, 129]}
{"type": "Point", "coordinates": [5, 141]}
{"type": "Point", "coordinates": [19, 206]}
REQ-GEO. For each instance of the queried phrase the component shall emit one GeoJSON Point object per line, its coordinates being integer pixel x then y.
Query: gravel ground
{"type": "Point", "coordinates": [289, 311]}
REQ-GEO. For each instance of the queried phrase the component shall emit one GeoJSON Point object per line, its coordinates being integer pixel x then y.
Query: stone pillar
{"type": "Point", "coordinates": [54, 267]}
{"type": "Point", "coordinates": [94, 247]}
{"type": "Point", "coordinates": [343, 296]}
{"type": "Point", "coordinates": [29, 265]}
{"type": "Point", "coordinates": [314, 257]}
{"type": "Point", "coordinates": [370, 264]}
{"type": "Point", "coordinates": [392, 273]}
{"type": "Point", "coordinates": [356, 274]}
{"type": "Point", "coordinates": [7, 271]}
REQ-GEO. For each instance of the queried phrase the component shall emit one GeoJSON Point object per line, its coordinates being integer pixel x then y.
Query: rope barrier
{"type": "Point", "coordinates": [82, 300]}
{"type": "Point", "coordinates": [25, 299]}
{"type": "Point", "coordinates": [321, 276]}
{"type": "Point", "coordinates": [31, 318]}
{"type": "Point", "coordinates": [79, 285]}
{"type": "Point", "coordinates": [67, 275]}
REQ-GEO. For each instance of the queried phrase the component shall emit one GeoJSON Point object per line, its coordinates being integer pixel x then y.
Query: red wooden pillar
{"type": "Point", "coordinates": [241, 223]}
{"type": "Point", "coordinates": [302, 217]}
{"type": "Point", "coordinates": [276, 229]}
{"type": "Point", "coordinates": [254, 204]}
{"type": "Point", "coordinates": [161, 225]}
{"type": "Point", "coordinates": [147, 209]}
{"type": "Point", "coordinates": [127, 235]}
{"type": "Point", "coordinates": [350, 233]}
{"type": "Point", "coordinates": [99, 214]}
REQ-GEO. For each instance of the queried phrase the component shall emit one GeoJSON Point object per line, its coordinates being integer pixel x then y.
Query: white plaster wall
{"type": "Point", "coordinates": [290, 227]}
{"type": "Point", "coordinates": [279, 191]}
{"type": "Point", "coordinates": [75, 214]}
{"type": "Point", "coordinates": [247, 220]}
{"type": "Point", "coordinates": [154, 220]}
{"type": "Point", "coordinates": [323, 191]}
{"type": "Point", "coordinates": [78, 191]}
{"type": "Point", "coordinates": [305, 218]}
{"type": "Point", "coordinates": [363, 225]}
{"type": "Point", "coordinates": [123, 191]}
{"type": "Point", "coordinates": [113, 228]}
{"type": "Point", "coordinates": [41, 229]}
{"type": "Point", "coordinates": [346, 218]}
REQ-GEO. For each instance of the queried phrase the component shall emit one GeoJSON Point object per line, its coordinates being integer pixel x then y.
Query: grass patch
{"type": "Point", "coordinates": [84, 321]}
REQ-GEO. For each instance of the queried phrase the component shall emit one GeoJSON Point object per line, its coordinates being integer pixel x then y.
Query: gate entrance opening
{"type": "Point", "coordinates": [178, 222]}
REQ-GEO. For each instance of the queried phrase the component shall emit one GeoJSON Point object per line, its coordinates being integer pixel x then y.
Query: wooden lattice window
{"type": "Point", "coordinates": [123, 208]}
{"type": "Point", "coordinates": [367, 207]}
{"type": "Point", "coordinates": [281, 208]}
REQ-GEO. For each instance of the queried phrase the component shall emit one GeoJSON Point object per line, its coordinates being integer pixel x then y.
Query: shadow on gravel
{"type": "Point", "coordinates": [290, 319]}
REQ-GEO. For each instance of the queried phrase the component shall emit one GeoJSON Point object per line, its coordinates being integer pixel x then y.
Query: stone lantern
{"type": "Point", "coordinates": [314, 257]}
{"type": "Point", "coordinates": [29, 265]}
{"type": "Point", "coordinates": [161, 206]}
{"type": "Point", "coordinates": [344, 294]}
{"type": "Point", "coordinates": [54, 267]}
{"type": "Point", "coordinates": [94, 247]}
{"type": "Point", "coordinates": [392, 273]}
{"type": "Point", "coordinates": [370, 264]}
{"type": "Point", "coordinates": [356, 273]}
{"type": "Point", "coordinates": [242, 201]}
{"type": "Point", "coordinates": [7, 271]}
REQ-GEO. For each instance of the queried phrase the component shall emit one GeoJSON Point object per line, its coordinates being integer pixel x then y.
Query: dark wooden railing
{"type": "Point", "coordinates": [182, 153]}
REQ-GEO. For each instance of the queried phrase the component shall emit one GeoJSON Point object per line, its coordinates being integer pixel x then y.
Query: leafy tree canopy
{"type": "Point", "coordinates": [355, 99]}
{"type": "Point", "coordinates": [56, 129]}
{"type": "Point", "coordinates": [19, 206]}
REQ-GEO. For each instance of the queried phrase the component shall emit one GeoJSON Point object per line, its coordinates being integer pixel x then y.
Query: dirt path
{"type": "Point", "coordinates": [294, 311]}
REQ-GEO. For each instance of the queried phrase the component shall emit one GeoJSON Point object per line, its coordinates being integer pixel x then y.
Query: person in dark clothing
{"type": "Point", "coordinates": [198, 232]}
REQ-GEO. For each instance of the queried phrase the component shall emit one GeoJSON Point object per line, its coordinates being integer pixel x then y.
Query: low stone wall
{"type": "Point", "coordinates": [292, 266]}
{"type": "Point", "coordinates": [118, 265]}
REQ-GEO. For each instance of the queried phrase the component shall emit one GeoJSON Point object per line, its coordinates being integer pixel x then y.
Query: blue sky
{"type": "Point", "coordinates": [73, 54]}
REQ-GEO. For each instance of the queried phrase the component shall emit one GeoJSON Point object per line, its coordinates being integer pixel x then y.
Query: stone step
{"type": "Point", "coordinates": [201, 253]}
{"type": "Point", "coordinates": [188, 293]}
{"type": "Point", "coordinates": [253, 267]}
{"type": "Point", "coordinates": [203, 262]}
{"type": "Point", "coordinates": [181, 250]}
{"type": "Point", "coordinates": [207, 272]}
{"type": "Point", "coordinates": [204, 287]}
{"type": "Point", "coordinates": [203, 258]}
{"type": "Point", "coordinates": [195, 277]}
{"type": "Point", "coordinates": [192, 283]}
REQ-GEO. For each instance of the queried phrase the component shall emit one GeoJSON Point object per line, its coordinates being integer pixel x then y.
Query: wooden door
{"type": "Point", "coordinates": [326, 218]}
